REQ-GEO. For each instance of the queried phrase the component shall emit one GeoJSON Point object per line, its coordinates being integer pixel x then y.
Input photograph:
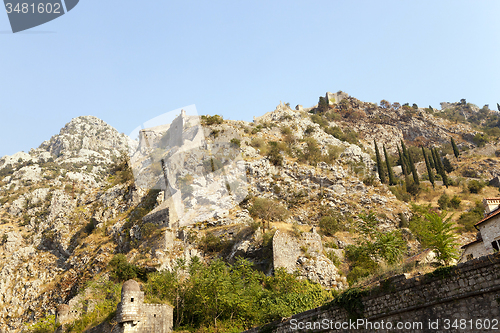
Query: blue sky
{"type": "Point", "coordinates": [129, 61]}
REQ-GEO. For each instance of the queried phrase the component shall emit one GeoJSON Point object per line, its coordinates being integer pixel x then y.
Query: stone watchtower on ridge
{"type": "Point", "coordinates": [135, 316]}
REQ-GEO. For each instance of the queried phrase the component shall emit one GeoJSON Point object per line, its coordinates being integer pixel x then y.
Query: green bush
{"type": "Point", "coordinates": [312, 152]}
{"type": "Point", "coordinates": [468, 219]}
{"type": "Point", "coordinates": [434, 231]}
{"type": "Point", "coordinates": [148, 229]}
{"type": "Point", "coordinates": [309, 130]}
{"type": "Point", "coordinates": [455, 202]}
{"type": "Point", "coordinates": [316, 118]}
{"type": "Point", "coordinates": [260, 144]}
{"type": "Point", "coordinates": [268, 210]}
{"type": "Point", "coordinates": [329, 225]}
{"type": "Point", "coordinates": [350, 136]}
{"type": "Point", "coordinates": [44, 325]}
{"type": "Point", "coordinates": [335, 151]}
{"type": "Point", "coordinates": [333, 258]}
{"type": "Point", "coordinates": [370, 180]}
{"type": "Point", "coordinates": [444, 201]}
{"type": "Point", "coordinates": [400, 193]}
{"type": "Point", "coordinates": [274, 154]}
{"type": "Point", "coordinates": [121, 172]}
{"type": "Point", "coordinates": [413, 188]}
{"type": "Point", "coordinates": [212, 244]}
{"type": "Point", "coordinates": [235, 143]}
{"type": "Point", "coordinates": [212, 120]}
{"type": "Point", "coordinates": [480, 139]}
{"type": "Point", "coordinates": [231, 296]}
{"type": "Point", "coordinates": [361, 262]}
{"type": "Point", "coordinates": [122, 270]}
{"type": "Point", "coordinates": [475, 186]}
{"type": "Point", "coordinates": [447, 165]}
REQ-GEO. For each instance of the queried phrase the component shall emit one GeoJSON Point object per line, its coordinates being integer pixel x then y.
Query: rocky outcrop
{"type": "Point", "coordinates": [304, 253]}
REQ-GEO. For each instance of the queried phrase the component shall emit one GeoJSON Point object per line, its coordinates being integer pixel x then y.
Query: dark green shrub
{"type": "Point", "coordinates": [212, 120]}
{"type": "Point", "coordinates": [316, 118]}
{"type": "Point", "coordinates": [274, 154]}
{"type": "Point", "coordinates": [468, 219]}
{"type": "Point", "coordinates": [235, 143]}
{"type": "Point", "coordinates": [447, 165]}
{"type": "Point", "coordinates": [309, 130]}
{"type": "Point", "coordinates": [370, 180]}
{"type": "Point", "coordinates": [480, 139]}
{"type": "Point", "coordinates": [475, 186]}
{"type": "Point", "coordinates": [329, 225]}
{"type": "Point", "coordinates": [312, 152]}
{"type": "Point", "coordinates": [89, 227]}
{"type": "Point", "coordinates": [455, 202]}
{"type": "Point", "coordinates": [400, 193]}
{"type": "Point", "coordinates": [413, 188]}
{"type": "Point", "coordinates": [444, 201]}
{"type": "Point", "coordinates": [333, 258]}
{"type": "Point", "coordinates": [469, 173]}
{"type": "Point", "coordinates": [212, 244]}
{"type": "Point", "coordinates": [122, 270]}
{"type": "Point", "coordinates": [361, 262]}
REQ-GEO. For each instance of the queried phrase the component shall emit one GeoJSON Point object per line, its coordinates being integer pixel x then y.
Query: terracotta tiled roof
{"type": "Point", "coordinates": [495, 213]}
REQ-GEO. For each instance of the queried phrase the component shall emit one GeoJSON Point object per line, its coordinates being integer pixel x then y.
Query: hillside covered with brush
{"type": "Point", "coordinates": [385, 187]}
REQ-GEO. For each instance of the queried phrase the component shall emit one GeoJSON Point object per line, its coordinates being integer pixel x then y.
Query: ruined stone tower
{"type": "Point", "coordinates": [136, 317]}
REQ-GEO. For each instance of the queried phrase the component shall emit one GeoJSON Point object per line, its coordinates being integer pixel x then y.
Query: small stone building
{"type": "Point", "coordinates": [135, 316]}
{"type": "Point", "coordinates": [488, 236]}
{"type": "Point", "coordinates": [132, 314]}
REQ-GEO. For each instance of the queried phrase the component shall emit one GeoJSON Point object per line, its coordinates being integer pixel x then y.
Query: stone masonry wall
{"type": "Point", "coordinates": [159, 318]}
{"type": "Point", "coordinates": [130, 310]}
{"type": "Point", "coordinates": [490, 230]}
{"type": "Point", "coordinates": [468, 293]}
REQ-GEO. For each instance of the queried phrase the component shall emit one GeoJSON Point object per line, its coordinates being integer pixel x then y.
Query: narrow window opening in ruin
{"type": "Point", "coordinates": [155, 315]}
{"type": "Point", "coordinates": [132, 299]}
{"type": "Point", "coordinates": [495, 245]}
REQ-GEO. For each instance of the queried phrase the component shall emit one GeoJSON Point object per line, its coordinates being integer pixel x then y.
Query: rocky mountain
{"type": "Point", "coordinates": [68, 207]}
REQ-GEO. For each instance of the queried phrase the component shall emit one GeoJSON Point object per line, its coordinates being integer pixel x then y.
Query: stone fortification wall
{"type": "Point", "coordinates": [159, 216]}
{"type": "Point", "coordinates": [158, 318]}
{"type": "Point", "coordinates": [468, 293]}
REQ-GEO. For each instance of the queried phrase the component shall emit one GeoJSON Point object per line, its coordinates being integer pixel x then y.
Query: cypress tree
{"type": "Point", "coordinates": [429, 168]}
{"type": "Point", "coordinates": [413, 170]}
{"type": "Point", "coordinates": [435, 159]}
{"type": "Point", "coordinates": [441, 168]}
{"type": "Point", "coordinates": [455, 148]}
{"type": "Point", "coordinates": [431, 160]}
{"type": "Point", "coordinates": [380, 166]}
{"type": "Point", "coordinates": [402, 163]}
{"type": "Point", "coordinates": [392, 179]}
{"type": "Point", "coordinates": [406, 156]}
